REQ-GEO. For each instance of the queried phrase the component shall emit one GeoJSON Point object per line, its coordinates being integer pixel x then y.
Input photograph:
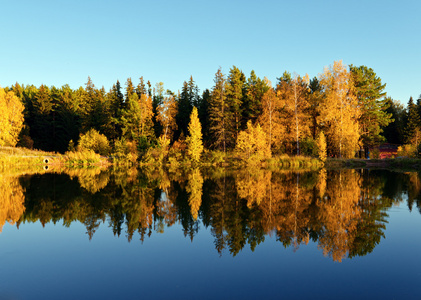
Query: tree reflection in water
{"type": "Point", "coordinates": [343, 211]}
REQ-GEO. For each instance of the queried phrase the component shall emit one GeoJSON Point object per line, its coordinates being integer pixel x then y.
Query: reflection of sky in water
{"type": "Point", "coordinates": [56, 262]}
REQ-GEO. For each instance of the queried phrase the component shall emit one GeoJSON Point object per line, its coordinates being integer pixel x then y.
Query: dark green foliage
{"type": "Point", "coordinates": [234, 89]}
{"type": "Point", "coordinates": [413, 121]}
{"type": "Point", "coordinates": [394, 131]}
{"type": "Point", "coordinates": [314, 99]}
{"type": "Point", "coordinates": [203, 111]}
{"type": "Point", "coordinates": [157, 100]}
{"type": "Point", "coordinates": [185, 106]}
{"type": "Point", "coordinates": [252, 108]}
{"type": "Point", "coordinates": [67, 120]}
{"type": "Point", "coordinates": [41, 121]}
{"type": "Point", "coordinates": [130, 89]}
{"type": "Point", "coordinates": [309, 147]}
{"type": "Point", "coordinates": [220, 116]}
{"type": "Point", "coordinates": [116, 102]}
{"type": "Point", "coordinates": [370, 94]}
{"type": "Point", "coordinates": [141, 88]}
{"type": "Point", "coordinates": [286, 77]}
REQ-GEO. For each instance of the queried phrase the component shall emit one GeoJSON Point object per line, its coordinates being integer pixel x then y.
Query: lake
{"type": "Point", "coordinates": [210, 234]}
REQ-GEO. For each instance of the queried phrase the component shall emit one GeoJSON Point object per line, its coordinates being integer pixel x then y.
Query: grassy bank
{"type": "Point", "coordinates": [401, 163]}
{"type": "Point", "coordinates": [19, 158]}
{"type": "Point", "coordinates": [22, 158]}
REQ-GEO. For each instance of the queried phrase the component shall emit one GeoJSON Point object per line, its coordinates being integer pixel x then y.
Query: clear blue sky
{"type": "Point", "coordinates": [59, 42]}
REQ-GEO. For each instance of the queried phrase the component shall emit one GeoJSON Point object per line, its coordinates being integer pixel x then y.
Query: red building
{"type": "Point", "coordinates": [386, 150]}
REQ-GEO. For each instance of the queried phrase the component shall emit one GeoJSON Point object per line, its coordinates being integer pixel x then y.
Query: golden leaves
{"type": "Point", "coordinates": [194, 188]}
{"type": "Point", "coordinates": [252, 143]}
{"type": "Point", "coordinates": [12, 200]}
{"type": "Point", "coordinates": [11, 118]}
{"type": "Point", "coordinates": [340, 213]}
{"type": "Point", "coordinates": [194, 140]}
{"type": "Point", "coordinates": [339, 110]}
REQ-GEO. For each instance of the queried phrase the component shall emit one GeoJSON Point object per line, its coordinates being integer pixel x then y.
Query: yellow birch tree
{"type": "Point", "coordinates": [270, 119]}
{"type": "Point", "coordinates": [166, 116]}
{"type": "Point", "coordinates": [252, 143]}
{"type": "Point", "coordinates": [321, 145]}
{"type": "Point", "coordinates": [194, 140]}
{"type": "Point", "coordinates": [11, 118]}
{"type": "Point", "coordinates": [339, 110]}
{"type": "Point", "coordinates": [294, 99]}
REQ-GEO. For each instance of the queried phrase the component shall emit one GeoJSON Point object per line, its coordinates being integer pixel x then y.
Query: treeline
{"type": "Point", "coordinates": [347, 104]}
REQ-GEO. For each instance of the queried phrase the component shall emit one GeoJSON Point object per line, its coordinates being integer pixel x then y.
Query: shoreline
{"type": "Point", "coordinates": [20, 158]}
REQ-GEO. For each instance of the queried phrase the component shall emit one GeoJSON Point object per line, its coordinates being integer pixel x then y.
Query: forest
{"type": "Point", "coordinates": [341, 113]}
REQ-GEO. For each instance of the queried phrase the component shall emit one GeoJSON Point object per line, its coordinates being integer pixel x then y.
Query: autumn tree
{"type": "Point", "coordinates": [270, 119]}
{"type": "Point", "coordinates": [321, 145]}
{"type": "Point", "coordinates": [339, 111]}
{"type": "Point", "coordinates": [194, 140]}
{"type": "Point", "coordinates": [252, 143]}
{"type": "Point", "coordinates": [293, 93]}
{"type": "Point", "coordinates": [95, 141]}
{"type": "Point", "coordinates": [11, 118]}
{"type": "Point", "coordinates": [166, 117]}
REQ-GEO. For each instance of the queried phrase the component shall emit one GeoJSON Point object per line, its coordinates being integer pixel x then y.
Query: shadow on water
{"type": "Point", "coordinates": [343, 211]}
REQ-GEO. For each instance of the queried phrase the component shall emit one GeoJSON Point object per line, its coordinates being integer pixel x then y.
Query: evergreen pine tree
{"type": "Point", "coordinates": [141, 88]}
{"type": "Point", "coordinates": [252, 108]}
{"type": "Point", "coordinates": [394, 131]}
{"type": "Point", "coordinates": [235, 86]}
{"type": "Point", "coordinates": [369, 91]}
{"type": "Point", "coordinates": [413, 123]}
{"type": "Point", "coordinates": [203, 112]}
{"type": "Point", "coordinates": [185, 106]}
{"type": "Point", "coordinates": [130, 89]}
{"type": "Point", "coordinates": [219, 115]}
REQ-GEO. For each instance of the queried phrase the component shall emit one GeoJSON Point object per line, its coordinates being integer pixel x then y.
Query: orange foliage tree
{"type": "Point", "coordinates": [294, 96]}
{"type": "Point", "coordinates": [11, 118]}
{"type": "Point", "coordinates": [339, 213]}
{"type": "Point", "coordinates": [339, 111]}
{"type": "Point", "coordinates": [271, 119]}
{"type": "Point", "coordinates": [12, 200]}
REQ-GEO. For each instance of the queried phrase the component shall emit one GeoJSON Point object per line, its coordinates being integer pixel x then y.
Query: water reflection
{"type": "Point", "coordinates": [343, 211]}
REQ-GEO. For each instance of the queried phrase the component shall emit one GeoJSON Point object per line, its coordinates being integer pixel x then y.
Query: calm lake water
{"type": "Point", "coordinates": [210, 234]}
